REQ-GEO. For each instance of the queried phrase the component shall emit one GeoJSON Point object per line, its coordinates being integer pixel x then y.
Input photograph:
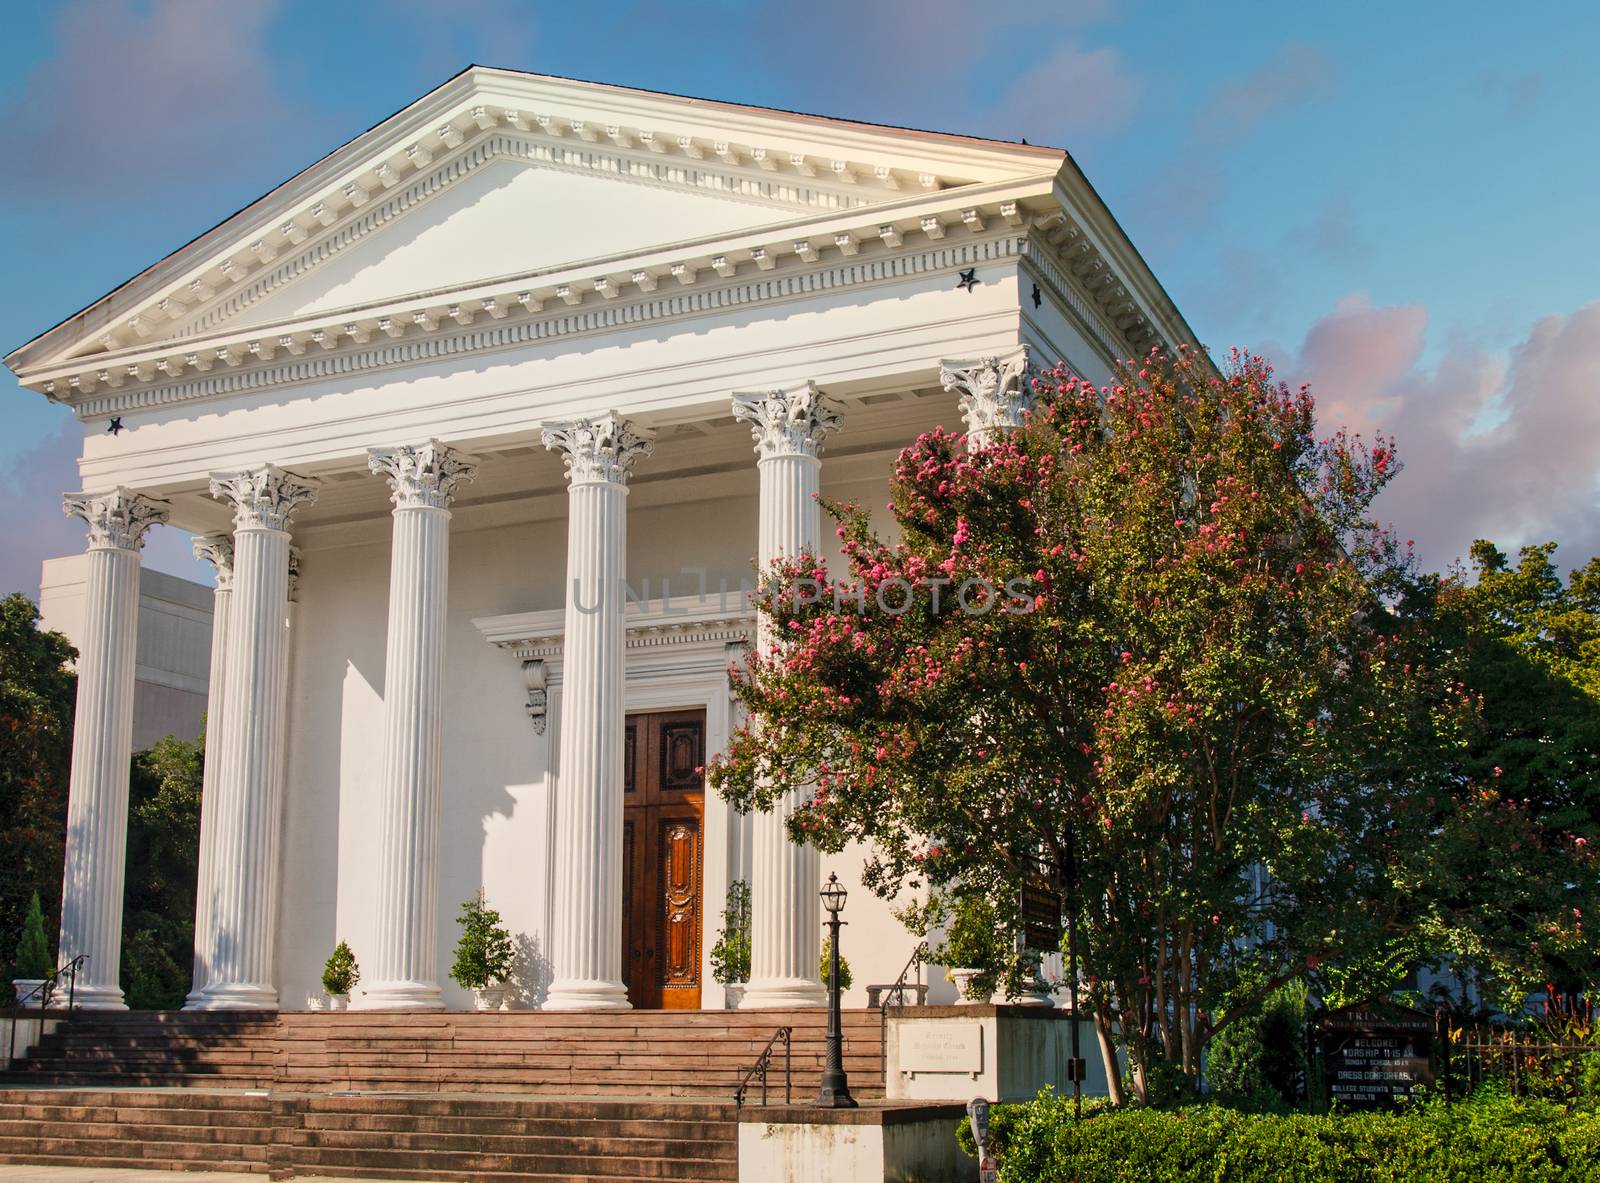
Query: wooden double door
{"type": "Point", "coordinates": [663, 856]}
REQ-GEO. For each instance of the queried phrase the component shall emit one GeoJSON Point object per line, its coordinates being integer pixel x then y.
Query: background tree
{"type": "Point", "coordinates": [163, 861]}
{"type": "Point", "coordinates": [1529, 647]}
{"type": "Point", "coordinates": [37, 689]}
{"type": "Point", "coordinates": [1189, 670]}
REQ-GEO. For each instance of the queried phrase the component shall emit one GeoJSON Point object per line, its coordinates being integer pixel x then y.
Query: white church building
{"type": "Point", "coordinates": [485, 419]}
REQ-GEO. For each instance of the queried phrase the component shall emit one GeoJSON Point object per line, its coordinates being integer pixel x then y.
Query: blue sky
{"type": "Point", "coordinates": [1394, 201]}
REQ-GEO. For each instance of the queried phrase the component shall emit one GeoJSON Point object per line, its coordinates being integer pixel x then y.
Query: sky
{"type": "Point", "coordinates": [1393, 201]}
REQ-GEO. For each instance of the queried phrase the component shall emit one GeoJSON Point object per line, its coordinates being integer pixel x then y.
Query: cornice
{"type": "Point", "coordinates": [681, 622]}
{"type": "Point", "coordinates": [414, 343]}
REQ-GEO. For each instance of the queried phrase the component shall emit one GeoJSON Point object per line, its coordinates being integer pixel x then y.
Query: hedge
{"type": "Point", "coordinates": [1489, 1140]}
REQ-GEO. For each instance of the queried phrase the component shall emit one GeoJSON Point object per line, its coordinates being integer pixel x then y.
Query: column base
{"type": "Point", "coordinates": [400, 996]}
{"type": "Point", "coordinates": [586, 994]}
{"type": "Point", "coordinates": [235, 997]}
{"type": "Point", "coordinates": [781, 993]}
{"type": "Point", "coordinates": [90, 997]}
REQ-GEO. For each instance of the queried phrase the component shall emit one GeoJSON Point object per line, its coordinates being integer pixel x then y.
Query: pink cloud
{"type": "Point", "coordinates": [1499, 446]}
{"type": "Point", "coordinates": [144, 93]}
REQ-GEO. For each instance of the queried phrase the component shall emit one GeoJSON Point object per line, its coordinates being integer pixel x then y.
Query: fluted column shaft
{"type": "Point", "coordinates": [249, 769]}
{"type": "Point", "coordinates": [586, 936]}
{"type": "Point", "coordinates": [102, 743]}
{"type": "Point", "coordinates": [785, 920]}
{"type": "Point", "coordinates": [218, 550]}
{"type": "Point", "coordinates": [402, 965]}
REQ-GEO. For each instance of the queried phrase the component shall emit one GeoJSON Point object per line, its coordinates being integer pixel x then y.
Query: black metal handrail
{"type": "Point", "coordinates": [759, 1070]}
{"type": "Point", "coordinates": [43, 992]}
{"type": "Point", "coordinates": [898, 993]}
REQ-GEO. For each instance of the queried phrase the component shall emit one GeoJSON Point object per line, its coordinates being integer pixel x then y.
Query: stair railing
{"type": "Point", "coordinates": [763, 1064]}
{"type": "Point", "coordinates": [897, 993]}
{"type": "Point", "coordinates": [44, 992]}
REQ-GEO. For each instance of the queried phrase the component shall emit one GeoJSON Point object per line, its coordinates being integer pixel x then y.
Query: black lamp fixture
{"type": "Point", "coordinates": [834, 1092]}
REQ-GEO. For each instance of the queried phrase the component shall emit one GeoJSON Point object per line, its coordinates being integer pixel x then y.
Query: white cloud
{"type": "Point", "coordinates": [1073, 93]}
{"type": "Point", "coordinates": [151, 94]}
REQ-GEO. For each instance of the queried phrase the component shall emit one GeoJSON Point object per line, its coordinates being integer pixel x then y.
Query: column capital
{"type": "Point", "coordinates": [995, 391]}
{"type": "Point", "coordinates": [217, 549]}
{"type": "Point", "coordinates": [263, 498]}
{"type": "Point", "coordinates": [598, 450]}
{"type": "Point", "coordinates": [118, 519]}
{"type": "Point", "coordinates": [788, 422]}
{"type": "Point", "coordinates": [422, 476]}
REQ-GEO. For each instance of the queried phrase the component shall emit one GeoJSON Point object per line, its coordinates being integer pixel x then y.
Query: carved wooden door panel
{"type": "Point", "coordinates": [663, 859]}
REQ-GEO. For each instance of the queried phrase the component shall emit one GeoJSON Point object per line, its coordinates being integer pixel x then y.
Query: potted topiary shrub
{"type": "Point", "coordinates": [32, 964]}
{"type": "Point", "coordinates": [730, 956]}
{"type": "Point", "coordinates": [483, 955]}
{"type": "Point", "coordinates": [974, 950]}
{"type": "Point", "coordinates": [339, 977]}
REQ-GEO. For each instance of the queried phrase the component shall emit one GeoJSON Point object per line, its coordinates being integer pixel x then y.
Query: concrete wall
{"type": "Point", "coordinates": [174, 648]}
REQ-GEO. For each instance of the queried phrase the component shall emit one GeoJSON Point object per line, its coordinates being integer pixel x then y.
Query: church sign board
{"type": "Point", "coordinates": [1375, 1054]}
{"type": "Point", "coordinates": [1041, 917]}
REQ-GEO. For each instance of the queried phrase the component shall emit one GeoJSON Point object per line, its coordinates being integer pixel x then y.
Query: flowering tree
{"type": "Point", "coordinates": [1146, 630]}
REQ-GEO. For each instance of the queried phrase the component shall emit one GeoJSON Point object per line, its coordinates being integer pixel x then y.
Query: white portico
{"type": "Point", "coordinates": [484, 420]}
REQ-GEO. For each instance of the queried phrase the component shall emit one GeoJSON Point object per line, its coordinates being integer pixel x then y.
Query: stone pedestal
{"type": "Point", "coordinates": [241, 943]}
{"type": "Point", "coordinates": [102, 742]}
{"type": "Point", "coordinates": [402, 964]}
{"type": "Point", "coordinates": [1001, 1053]}
{"type": "Point", "coordinates": [785, 912]}
{"type": "Point", "coordinates": [586, 920]}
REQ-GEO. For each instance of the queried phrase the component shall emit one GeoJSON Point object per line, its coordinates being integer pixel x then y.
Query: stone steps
{"type": "Point", "coordinates": [515, 1139]}
{"type": "Point", "coordinates": [158, 1130]}
{"type": "Point", "coordinates": [694, 1053]}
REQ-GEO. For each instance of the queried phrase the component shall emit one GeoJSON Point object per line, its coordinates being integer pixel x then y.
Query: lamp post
{"type": "Point", "coordinates": [834, 1092]}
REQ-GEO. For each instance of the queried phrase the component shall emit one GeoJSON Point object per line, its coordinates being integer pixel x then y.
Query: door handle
{"type": "Point", "coordinates": [636, 954]}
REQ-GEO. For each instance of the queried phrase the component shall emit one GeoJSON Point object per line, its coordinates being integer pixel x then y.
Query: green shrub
{"type": "Point", "coordinates": [1489, 1139]}
{"type": "Point", "coordinates": [33, 948]}
{"type": "Point", "coordinates": [730, 956]}
{"type": "Point", "coordinates": [822, 965]}
{"type": "Point", "coordinates": [484, 953]}
{"type": "Point", "coordinates": [976, 940]}
{"type": "Point", "coordinates": [340, 974]}
{"type": "Point", "coordinates": [1258, 1061]}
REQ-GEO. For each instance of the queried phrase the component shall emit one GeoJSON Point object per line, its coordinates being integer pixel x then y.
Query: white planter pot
{"type": "Point", "coordinates": [733, 995]}
{"type": "Point", "coordinates": [314, 1002]}
{"type": "Point", "coordinates": [491, 998]}
{"type": "Point", "coordinates": [338, 1002]}
{"type": "Point", "coordinates": [24, 987]}
{"type": "Point", "coordinates": [961, 977]}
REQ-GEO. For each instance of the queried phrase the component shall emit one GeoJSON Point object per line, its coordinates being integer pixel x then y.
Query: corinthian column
{"type": "Point", "coordinates": [785, 917]}
{"type": "Point", "coordinates": [217, 549]}
{"type": "Point", "coordinates": [102, 741]}
{"type": "Point", "coordinates": [586, 926]}
{"type": "Point", "coordinates": [995, 392]}
{"type": "Point", "coordinates": [248, 791]}
{"type": "Point", "coordinates": [403, 961]}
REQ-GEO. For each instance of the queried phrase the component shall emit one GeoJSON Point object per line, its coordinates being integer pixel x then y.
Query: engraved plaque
{"type": "Point", "coordinates": [941, 1047]}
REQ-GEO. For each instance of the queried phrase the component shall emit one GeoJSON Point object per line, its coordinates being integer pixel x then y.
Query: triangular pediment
{"type": "Point", "coordinates": [506, 217]}
{"type": "Point", "coordinates": [500, 178]}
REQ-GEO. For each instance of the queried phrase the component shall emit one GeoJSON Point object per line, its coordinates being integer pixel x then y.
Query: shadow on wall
{"type": "Point", "coordinates": [531, 974]}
